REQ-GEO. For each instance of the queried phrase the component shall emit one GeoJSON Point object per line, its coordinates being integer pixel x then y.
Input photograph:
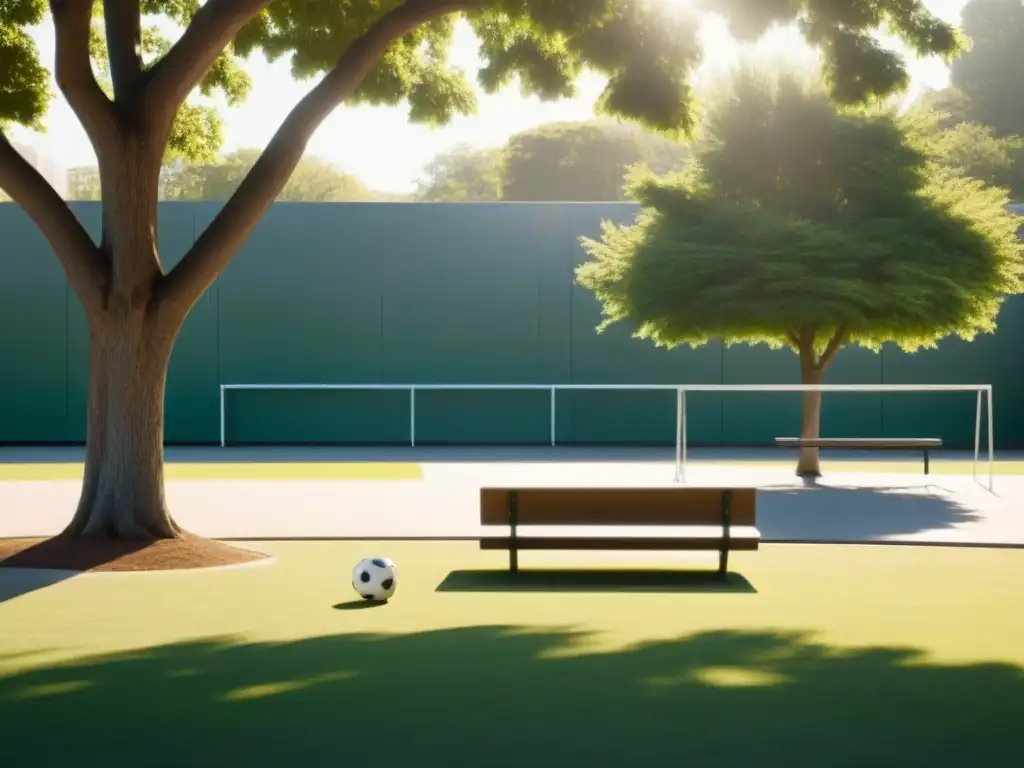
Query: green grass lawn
{"type": "Point", "coordinates": [374, 470]}
{"type": "Point", "coordinates": [186, 470]}
{"type": "Point", "coordinates": [817, 656]}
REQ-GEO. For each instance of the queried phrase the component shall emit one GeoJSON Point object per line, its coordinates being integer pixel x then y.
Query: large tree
{"type": "Point", "coordinates": [810, 227]}
{"type": "Point", "coordinates": [365, 52]}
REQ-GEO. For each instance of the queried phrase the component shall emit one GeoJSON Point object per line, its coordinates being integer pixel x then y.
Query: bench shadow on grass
{"type": "Point", "coordinates": [513, 696]}
{"type": "Point", "coordinates": [585, 580]}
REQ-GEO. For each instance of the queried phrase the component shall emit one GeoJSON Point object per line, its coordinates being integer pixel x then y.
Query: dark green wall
{"type": "Point", "coordinates": [481, 293]}
{"type": "Point", "coordinates": [33, 335]}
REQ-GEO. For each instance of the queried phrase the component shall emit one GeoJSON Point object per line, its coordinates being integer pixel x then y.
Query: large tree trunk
{"type": "Point", "coordinates": [123, 489]}
{"type": "Point", "coordinates": [809, 464]}
{"type": "Point", "coordinates": [131, 336]}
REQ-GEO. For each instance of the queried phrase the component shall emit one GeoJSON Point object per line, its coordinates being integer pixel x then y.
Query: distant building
{"type": "Point", "coordinates": [53, 172]}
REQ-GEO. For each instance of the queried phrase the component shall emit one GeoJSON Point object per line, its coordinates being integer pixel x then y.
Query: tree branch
{"type": "Point", "coordinates": [837, 340]}
{"type": "Point", "coordinates": [73, 70]}
{"type": "Point", "coordinates": [178, 71]}
{"type": "Point", "coordinates": [82, 261]}
{"type": "Point", "coordinates": [123, 22]}
{"type": "Point", "coordinates": [233, 224]}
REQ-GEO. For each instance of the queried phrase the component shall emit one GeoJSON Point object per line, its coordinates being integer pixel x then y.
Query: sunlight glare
{"type": "Point", "coordinates": [718, 677]}
{"type": "Point", "coordinates": [673, 4]}
{"type": "Point", "coordinates": [266, 690]}
{"type": "Point", "coordinates": [44, 690]}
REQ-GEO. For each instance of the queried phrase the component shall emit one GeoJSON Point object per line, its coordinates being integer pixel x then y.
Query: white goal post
{"type": "Point", "coordinates": [984, 392]}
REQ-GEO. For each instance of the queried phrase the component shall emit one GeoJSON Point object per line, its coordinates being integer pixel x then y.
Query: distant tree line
{"type": "Point", "coordinates": [978, 120]}
{"type": "Point", "coordinates": [581, 161]}
{"type": "Point", "coordinates": [976, 123]}
{"type": "Point", "coordinates": [313, 180]}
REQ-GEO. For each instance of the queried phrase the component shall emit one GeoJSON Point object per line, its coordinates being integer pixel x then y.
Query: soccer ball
{"type": "Point", "coordinates": [375, 578]}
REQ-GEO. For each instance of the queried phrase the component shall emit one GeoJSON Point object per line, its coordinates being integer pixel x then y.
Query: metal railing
{"type": "Point", "coordinates": [984, 392]}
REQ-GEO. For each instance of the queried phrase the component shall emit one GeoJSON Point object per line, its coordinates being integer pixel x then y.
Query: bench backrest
{"type": "Point", "coordinates": [617, 506]}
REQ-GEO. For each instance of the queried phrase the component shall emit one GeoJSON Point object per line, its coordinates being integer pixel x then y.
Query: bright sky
{"type": "Point", "coordinates": [378, 144]}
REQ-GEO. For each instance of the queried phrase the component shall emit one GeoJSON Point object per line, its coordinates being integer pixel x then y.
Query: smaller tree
{"type": "Point", "coordinates": [811, 227]}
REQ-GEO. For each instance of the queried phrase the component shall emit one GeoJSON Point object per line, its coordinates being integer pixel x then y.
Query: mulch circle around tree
{"type": "Point", "coordinates": [110, 555]}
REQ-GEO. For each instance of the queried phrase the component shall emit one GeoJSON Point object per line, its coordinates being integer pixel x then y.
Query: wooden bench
{"type": "Point", "coordinates": [629, 519]}
{"type": "Point", "coordinates": [924, 444]}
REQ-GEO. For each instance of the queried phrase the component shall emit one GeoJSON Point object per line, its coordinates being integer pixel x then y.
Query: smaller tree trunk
{"type": "Point", "coordinates": [809, 464]}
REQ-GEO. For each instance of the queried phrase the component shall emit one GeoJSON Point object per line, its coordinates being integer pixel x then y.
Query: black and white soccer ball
{"type": "Point", "coordinates": [375, 578]}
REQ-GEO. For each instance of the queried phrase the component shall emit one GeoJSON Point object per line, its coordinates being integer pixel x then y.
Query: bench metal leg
{"type": "Point", "coordinates": [513, 522]}
{"type": "Point", "coordinates": [723, 552]}
{"type": "Point", "coordinates": [926, 461]}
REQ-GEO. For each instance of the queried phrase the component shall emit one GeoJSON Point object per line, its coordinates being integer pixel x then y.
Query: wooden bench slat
{"type": "Point", "coordinates": [596, 532]}
{"type": "Point", "coordinates": [622, 545]}
{"type": "Point", "coordinates": [617, 506]}
{"type": "Point", "coordinates": [861, 442]}
{"type": "Point", "coordinates": [706, 538]}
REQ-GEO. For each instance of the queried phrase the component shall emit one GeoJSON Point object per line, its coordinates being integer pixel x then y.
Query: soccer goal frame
{"type": "Point", "coordinates": [984, 393]}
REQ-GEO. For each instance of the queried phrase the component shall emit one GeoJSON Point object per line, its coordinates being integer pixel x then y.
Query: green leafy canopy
{"type": "Point", "coordinates": [197, 133]}
{"type": "Point", "coordinates": [645, 48]}
{"type": "Point", "coordinates": [798, 219]}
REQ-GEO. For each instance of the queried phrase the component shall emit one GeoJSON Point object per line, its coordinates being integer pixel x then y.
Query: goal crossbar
{"type": "Point", "coordinates": [983, 391]}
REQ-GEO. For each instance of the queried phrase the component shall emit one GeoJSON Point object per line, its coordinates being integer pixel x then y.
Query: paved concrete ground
{"type": "Point", "coordinates": [495, 454]}
{"type": "Point", "coordinates": [844, 506]}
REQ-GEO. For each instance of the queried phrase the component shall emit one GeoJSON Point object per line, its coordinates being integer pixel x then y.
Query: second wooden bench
{"type": "Point", "coordinates": [924, 444]}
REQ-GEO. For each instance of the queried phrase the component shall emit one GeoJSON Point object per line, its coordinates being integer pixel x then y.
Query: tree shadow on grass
{"type": "Point", "coordinates": [15, 582]}
{"type": "Point", "coordinates": [838, 513]}
{"type": "Point", "coordinates": [513, 696]}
